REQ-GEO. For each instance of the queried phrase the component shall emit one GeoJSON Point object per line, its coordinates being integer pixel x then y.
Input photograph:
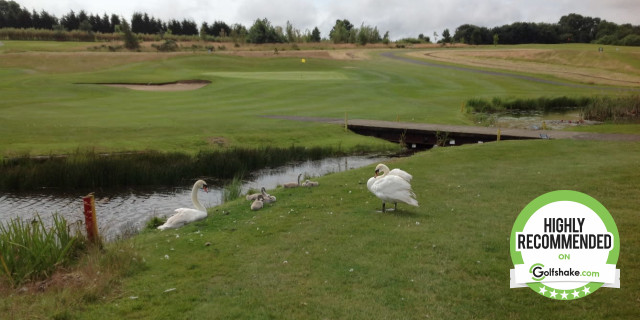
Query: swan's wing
{"type": "Point", "coordinates": [370, 183]}
{"type": "Point", "coordinates": [182, 217]}
{"type": "Point", "coordinates": [402, 174]}
{"type": "Point", "coordinates": [391, 188]}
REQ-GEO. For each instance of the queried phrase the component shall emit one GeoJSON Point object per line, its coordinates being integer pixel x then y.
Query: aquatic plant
{"type": "Point", "coordinates": [30, 250]}
{"type": "Point", "coordinates": [88, 169]}
{"type": "Point", "coordinates": [623, 108]}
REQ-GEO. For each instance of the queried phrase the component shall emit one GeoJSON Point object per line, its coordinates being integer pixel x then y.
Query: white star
{"type": "Point", "coordinates": [553, 293]}
{"type": "Point", "coordinates": [576, 294]}
{"type": "Point", "coordinates": [564, 294]}
{"type": "Point", "coordinates": [542, 290]}
{"type": "Point", "coordinates": [586, 290]}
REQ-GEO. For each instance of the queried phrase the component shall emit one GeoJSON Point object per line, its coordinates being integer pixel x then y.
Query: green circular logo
{"type": "Point", "coordinates": [564, 245]}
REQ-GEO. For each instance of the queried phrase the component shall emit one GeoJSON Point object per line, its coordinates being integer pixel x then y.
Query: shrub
{"type": "Point", "coordinates": [631, 40]}
{"type": "Point", "coordinates": [168, 46]}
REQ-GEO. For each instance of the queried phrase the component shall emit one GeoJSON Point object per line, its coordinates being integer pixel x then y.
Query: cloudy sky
{"type": "Point", "coordinates": [402, 18]}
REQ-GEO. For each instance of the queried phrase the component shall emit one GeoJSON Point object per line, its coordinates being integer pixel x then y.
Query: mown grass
{"type": "Point", "coordinates": [46, 112]}
{"type": "Point", "coordinates": [326, 252]}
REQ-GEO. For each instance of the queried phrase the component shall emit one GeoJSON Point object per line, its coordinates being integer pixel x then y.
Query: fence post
{"type": "Point", "coordinates": [90, 218]}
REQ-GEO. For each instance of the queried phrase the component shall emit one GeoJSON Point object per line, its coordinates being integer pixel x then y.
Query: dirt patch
{"type": "Point", "coordinates": [218, 141]}
{"type": "Point", "coordinates": [183, 85]}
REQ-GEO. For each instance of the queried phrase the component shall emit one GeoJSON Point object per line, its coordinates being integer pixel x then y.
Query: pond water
{"type": "Point", "coordinates": [129, 210]}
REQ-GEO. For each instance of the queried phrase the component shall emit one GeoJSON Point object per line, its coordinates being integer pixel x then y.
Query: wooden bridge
{"type": "Point", "coordinates": [425, 136]}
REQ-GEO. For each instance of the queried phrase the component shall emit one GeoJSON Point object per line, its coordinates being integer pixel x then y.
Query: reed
{"type": "Point", "coordinates": [233, 190]}
{"type": "Point", "coordinates": [93, 170]}
{"type": "Point", "coordinates": [615, 109]}
{"type": "Point", "coordinates": [30, 250]}
{"type": "Point", "coordinates": [624, 108]}
{"type": "Point", "coordinates": [545, 104]}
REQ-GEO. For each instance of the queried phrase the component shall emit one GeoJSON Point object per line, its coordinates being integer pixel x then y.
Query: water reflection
{"type": "Point", "coordinates": [130, 209]}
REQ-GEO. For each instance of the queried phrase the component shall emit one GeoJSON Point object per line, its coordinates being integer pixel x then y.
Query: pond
{"type": "Point", "coordinates": [128, 210]}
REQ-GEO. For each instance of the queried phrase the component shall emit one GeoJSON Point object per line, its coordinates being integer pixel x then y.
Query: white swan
{"type": "Point", "coordinates": [396, 172]}
{"type": "Point", "coordinates": [184, 216]}
{"type": "Point", "coordinates": [390, 187]}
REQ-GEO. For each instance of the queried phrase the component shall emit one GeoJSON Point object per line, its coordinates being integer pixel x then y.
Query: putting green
{"type": "Point", "coordinates": [282, 75]}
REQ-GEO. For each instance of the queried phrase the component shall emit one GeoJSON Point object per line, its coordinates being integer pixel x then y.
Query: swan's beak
{"type": "Point", "coordinates": [376, 174]}
{"type": "Point", "coordinates": [205, 188]}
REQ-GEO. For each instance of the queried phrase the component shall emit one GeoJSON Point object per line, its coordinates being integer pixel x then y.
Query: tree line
{"type": "Point", "coordinates": [571, 28]}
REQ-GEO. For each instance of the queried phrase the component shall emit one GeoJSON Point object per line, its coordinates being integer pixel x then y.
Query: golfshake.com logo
{"type": "Point", "coordinates": [565, 245]}
{"type": "Point", "coordinates": [539, 273]}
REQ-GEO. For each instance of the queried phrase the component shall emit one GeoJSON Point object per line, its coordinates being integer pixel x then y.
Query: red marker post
{"type": "Point", "coordinates": [90, 220]}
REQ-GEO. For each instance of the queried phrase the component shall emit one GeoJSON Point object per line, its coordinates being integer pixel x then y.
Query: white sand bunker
{"type": "Point", "coordinates": [183, 85]}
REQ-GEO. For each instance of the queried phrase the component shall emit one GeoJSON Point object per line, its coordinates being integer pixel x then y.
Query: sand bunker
{"type": "Point", "coordinates": [183, 85]}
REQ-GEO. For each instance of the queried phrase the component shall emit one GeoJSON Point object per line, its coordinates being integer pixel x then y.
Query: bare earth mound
{"type": "Point", "coordinates": [183, 85]}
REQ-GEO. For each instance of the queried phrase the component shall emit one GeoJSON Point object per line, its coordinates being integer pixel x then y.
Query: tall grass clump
{"type": "Point", "coordinates": [93, 170]}
{"type": "Point", "coordinates": [616, 109]}
{"type": "Point", "coordinates": [30, 250]}
{"type": "Point", "coordinates": [624, 108]}
{"type": "Point", "coordinates": [232, 190]}
{"type": "Point", "coordinates": [540, 104]}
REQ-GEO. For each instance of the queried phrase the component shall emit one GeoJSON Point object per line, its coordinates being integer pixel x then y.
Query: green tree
{"type": "Point", "coordinates": [495, 39]}
{"type": "Point", "coordinates": [341, 32]}
{"type": "Point", "coordinates": [446, 36]}
{"type": "Point", "coordinates": [263, 32]}
{"type": "Point", "coordinates": [130, 40]}
{"type": "Point", "coordinates": [315, 35]}
{"type": "Point", "coordinates": [292, 34]}
{"type": "Point", "coordinates": [238, 33]}
{"type": "Point", "coordinates": [368, 34]}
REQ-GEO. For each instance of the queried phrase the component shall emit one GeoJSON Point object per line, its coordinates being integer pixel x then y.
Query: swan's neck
{"type": "Point", "coordinates": [194, 198]}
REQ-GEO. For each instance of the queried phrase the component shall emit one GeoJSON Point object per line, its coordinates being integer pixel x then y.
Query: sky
{"type": "Point", "coordinates": [402, 18]}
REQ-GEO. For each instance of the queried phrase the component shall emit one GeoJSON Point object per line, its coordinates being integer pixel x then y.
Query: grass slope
{"type": "Point", "coordinates": [325, 252]}
{"type": "Point", "coordinates": [45, 111]}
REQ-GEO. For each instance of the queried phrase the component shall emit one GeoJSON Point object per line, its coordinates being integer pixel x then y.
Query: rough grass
{"type": "Point", "coordinates": [326, 252]}
{"type": "Point", "coordinates": [617, 66]}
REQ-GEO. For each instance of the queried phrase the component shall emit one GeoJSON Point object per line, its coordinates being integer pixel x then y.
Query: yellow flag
{"type": "Point", "coordinates": [304, 60]}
